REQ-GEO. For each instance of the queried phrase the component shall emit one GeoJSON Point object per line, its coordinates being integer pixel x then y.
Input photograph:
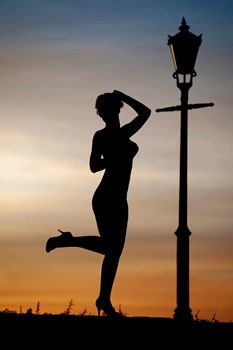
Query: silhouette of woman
{"type": "Point", "coordinates": [112, 151]}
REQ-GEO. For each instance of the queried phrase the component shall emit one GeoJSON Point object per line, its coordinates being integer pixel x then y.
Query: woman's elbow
{"type": "Point", "coordinates": [93, 168]}
{"type": "Point", "coordinates": [148, 112]}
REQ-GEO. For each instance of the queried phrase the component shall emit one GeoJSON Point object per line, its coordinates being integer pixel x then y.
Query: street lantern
{"type": "Point", "coordinates": [184, 48]}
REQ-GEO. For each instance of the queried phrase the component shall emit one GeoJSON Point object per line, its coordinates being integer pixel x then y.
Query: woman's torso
{"type": "Point", "coordinates": [118, 152]}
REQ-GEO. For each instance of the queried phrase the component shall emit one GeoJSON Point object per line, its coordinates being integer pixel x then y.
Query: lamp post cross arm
{"type": "Point", "coordinates": [189, 106]}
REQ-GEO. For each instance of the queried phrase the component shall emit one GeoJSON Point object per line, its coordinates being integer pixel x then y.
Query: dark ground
{"type": "Point", "coordinates": [50, 331]}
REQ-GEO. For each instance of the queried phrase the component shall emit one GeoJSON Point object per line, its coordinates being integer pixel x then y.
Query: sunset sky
{"type": "Point", "coordinates": [56, 57]}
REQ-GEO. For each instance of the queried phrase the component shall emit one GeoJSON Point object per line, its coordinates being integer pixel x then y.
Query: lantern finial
{"type": "Point", "coordinates": [184, 26]}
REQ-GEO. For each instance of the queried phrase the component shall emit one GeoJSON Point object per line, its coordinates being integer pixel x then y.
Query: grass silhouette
{"type": "Point", "coordinates": [88, 330]}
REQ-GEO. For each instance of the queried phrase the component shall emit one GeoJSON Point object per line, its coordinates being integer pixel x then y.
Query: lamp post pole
{"type": "Point", "coordinates": [183, 310]}
{"type": "Point", "coordinates": [184, 48]}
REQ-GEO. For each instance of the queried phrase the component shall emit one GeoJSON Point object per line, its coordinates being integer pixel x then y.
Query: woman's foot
{"type": "Point", "coordinates": [60, 241]}
{"type": "Point", "coordinates": [107, 308]}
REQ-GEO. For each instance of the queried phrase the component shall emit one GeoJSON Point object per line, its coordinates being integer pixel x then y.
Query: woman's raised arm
{"type": "Point", "coordinates": [143, 113]}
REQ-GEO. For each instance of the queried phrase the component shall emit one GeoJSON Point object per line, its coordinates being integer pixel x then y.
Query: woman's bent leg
{"type": "Point", "coordinates": [92, 243]}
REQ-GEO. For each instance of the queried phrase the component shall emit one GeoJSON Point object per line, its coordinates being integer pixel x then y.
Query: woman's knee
{"type": "Point", "coordinates": [115, 248]}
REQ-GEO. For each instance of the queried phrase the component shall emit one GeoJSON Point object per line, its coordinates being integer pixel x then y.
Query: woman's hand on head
{"type": "Point", "coordinates": [118, 93]}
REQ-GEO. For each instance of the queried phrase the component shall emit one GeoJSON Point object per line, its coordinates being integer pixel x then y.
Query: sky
{"type": "Point", "coordinates": [56, 57]}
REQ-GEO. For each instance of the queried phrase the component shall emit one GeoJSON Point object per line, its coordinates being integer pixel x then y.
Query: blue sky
{"type": "Point", "coordinates": [121, 18]}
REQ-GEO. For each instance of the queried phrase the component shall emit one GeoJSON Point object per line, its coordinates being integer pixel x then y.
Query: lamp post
{"type": "Point", "coordinates": [184, 48]}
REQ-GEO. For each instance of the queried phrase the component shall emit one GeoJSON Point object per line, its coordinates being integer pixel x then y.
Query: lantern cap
{"type": "Point", "coordinates": [184, 33]}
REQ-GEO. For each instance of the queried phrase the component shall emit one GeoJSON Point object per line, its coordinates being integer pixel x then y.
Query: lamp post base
{"type": "Point", "coordinates": [183, 314]}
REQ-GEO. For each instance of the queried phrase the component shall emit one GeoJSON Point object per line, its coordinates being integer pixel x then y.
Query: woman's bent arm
{"type": "Point", "coordinates": [97, 162]}
{"type": "Point", "coordinates": [143, 113]}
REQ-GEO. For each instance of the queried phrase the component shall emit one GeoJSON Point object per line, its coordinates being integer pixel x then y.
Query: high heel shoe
{"type": "Point", "coordinates": [59, 241]}
{"type": "Point", "coordinates": [107, 308]}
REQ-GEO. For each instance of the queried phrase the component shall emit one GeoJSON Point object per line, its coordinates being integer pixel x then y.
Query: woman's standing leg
{"type": "Point", "coordinates": [113, 230]}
